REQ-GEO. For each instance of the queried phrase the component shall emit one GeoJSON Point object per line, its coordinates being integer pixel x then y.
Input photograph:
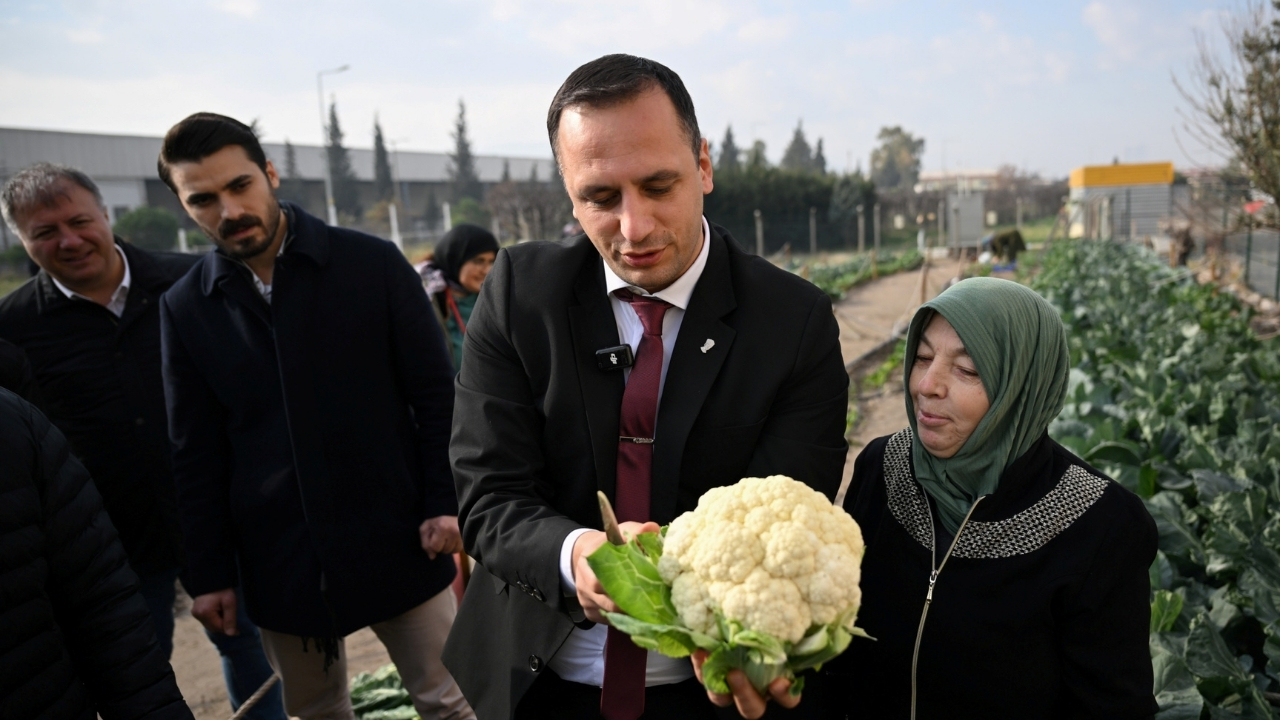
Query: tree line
{"type": "Point", "coordinates": [799, 192]}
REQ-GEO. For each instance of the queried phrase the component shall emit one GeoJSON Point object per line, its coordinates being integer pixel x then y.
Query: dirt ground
{"type": "Point", "coordinates": [869, 313]}
{"type": "Point", "coordinates": [867, 317]}
{"type": "Point", "coordinates": [199, 670]}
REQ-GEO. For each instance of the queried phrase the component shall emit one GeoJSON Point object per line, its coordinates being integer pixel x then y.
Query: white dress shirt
{"type": "Point", "coordinates": [581, 658]}
{"type": "Point", "coordinates": [118, 298]}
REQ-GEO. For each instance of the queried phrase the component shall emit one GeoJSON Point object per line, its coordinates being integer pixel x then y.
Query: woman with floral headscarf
{"type": "Point", "coordinates": [459, 265]}
{"type": "Point", "coordinates": [1004, 577]}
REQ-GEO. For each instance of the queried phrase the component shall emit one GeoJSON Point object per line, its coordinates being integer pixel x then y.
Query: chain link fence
{"type": "Point", "coordinates": [1258, 252]}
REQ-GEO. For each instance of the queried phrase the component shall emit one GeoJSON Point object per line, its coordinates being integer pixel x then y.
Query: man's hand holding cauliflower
{"type": "Point", "coordinates": [758, 583]}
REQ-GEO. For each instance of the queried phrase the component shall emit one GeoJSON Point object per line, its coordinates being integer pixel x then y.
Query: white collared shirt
{"type": "Point", "coordinates": [263, 288]}
{"type": "Point", "coordinates": [118, 298]}
{"type": "Point", "coordinates": [581, 658]}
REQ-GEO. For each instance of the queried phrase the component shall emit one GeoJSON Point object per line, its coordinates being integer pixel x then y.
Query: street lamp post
{"type": "Point", "coordinates": [324, 143]}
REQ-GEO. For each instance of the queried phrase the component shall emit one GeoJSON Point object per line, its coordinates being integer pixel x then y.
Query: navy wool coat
{"type": "Point", "coordinates": [310, 435]}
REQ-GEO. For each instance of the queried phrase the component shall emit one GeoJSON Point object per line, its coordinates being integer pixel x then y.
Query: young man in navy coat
{"type": "Point", "coordinates": [309, 394]}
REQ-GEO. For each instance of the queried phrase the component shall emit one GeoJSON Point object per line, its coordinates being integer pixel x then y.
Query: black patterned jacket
{"type": "Point", "coordinates": [1041, 612]}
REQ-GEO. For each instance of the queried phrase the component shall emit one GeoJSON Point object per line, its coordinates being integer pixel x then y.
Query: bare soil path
{"type": "Point", "coordinates": [868, 315]}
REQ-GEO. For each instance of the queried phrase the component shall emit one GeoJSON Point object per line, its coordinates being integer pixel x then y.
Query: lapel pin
{"type": "Point", "coordinates": [708, 345]}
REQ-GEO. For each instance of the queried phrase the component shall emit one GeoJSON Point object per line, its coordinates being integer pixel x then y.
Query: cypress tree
{"type": "Point", "coordinates": [383, 185]}
{"type": "Point", "coordinates": [462, 164]}
{"type": "Point", "coordinates": [729, 162]}
{"type": "Point", "coordinates": [345, 193]}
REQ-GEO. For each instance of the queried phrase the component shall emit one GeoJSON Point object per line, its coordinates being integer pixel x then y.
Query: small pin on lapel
{"type": "Point", "coordinates": [708, 345]}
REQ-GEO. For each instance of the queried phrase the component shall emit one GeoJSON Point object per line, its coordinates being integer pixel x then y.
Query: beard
{"type": "Point", "coordinates": [251, 247]}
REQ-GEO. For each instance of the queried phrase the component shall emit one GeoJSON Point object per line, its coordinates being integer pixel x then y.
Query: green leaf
{"type": "Point", "coordinates": [651, 544]}
{"type": "Point", "coordinates": [716, 669]}
{"type": "Point", "coordinates": [1165, 610]}
{"type": "Point", "coordinates": [1161, 572]}
{"type": "Point", "coordinates": [1177, 539]}
{"type": "Point", "coordinates": [671, 640]}
{"type": "Point", "coordinates": [1220, 677]}
{"type": "Point", "coordinates": [1208, 655]}
{"type": "Point", "coordinates": [632, 581]}
{"type": "Point", "coordinates": [838, 640]}
{"type": "Point", "coordinates": [1271, 647]}
{"type": "Point", "coordinates": [770, 648]}
{"type": "Point", "coordinates": [1120, 451]}
{"type": "Point", "coordinates": [1147, 476]}
{"type": "Point", "coordinates": [1175, 687]}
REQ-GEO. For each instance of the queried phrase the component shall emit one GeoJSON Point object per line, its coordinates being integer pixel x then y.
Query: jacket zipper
{"type": "Point", "coordinates": [935, 570]}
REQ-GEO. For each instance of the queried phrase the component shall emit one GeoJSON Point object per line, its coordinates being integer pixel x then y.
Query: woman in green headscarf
{"type": "Point", "coordinates": [1004, 576]}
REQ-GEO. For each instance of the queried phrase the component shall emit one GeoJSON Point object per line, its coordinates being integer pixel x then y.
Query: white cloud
{"type": "Point", "coordinates": [85, 36]}
{"type": "Point", "coordinates": [247, 9]}
{"type": "Point", "coordinates": [575, 27]}
{"type": "Point", "coordinates": [1117, 28]}
{"type": "Point", "coordinates": [767, 29]}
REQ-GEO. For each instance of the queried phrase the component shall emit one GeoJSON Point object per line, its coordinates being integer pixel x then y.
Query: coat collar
{"type": "Point", "coordinates": [145, 278]}
{"type": "Point", "coordinates": [309, 239]}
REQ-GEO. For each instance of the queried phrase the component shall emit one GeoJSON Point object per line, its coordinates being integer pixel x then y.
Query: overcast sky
{"type": "Point", "coordinates": [1046, 86]}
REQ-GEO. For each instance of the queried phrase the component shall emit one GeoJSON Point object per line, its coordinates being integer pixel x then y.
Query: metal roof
{"type": "Point", "coordinates": [105, 157]}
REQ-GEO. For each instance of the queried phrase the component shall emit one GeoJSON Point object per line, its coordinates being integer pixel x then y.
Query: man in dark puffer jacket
{"type": "Point", "coordinates": [76, 638]}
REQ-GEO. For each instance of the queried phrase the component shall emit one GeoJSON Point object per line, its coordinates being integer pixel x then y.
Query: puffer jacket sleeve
{"type": "Point", "coordinates": [105, 622]}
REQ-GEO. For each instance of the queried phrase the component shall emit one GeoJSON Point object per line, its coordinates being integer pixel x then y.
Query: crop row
{"type": "Point", "coordinates": [1173, 395]}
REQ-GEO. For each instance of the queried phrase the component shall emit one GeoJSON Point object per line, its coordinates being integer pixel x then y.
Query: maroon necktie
{"type": "Point", "coordinates": [622, 697]}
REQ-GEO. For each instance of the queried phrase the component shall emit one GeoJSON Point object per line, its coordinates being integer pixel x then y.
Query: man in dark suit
{"type": "Point", "coordinates": [89, 321]}
{"type": "Point", "coordinates": [309, 394]}
{"type": "Point", "coordinates": [737, 372]}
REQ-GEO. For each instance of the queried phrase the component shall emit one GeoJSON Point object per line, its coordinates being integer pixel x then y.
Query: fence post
{"type": "Point", "coordinates": [759, 234]}
{"type": "Point", "coordinates": [1276, 295]}
{"type": "Point", "coordinates": [813, 231]}
{"type": "Point", "coordinates": [876, 223]}
{"type": "Point", "coordinates": [942, 213]}
{"type": "Point", "coordinates": [862, 231]}
{"type": "Point", "coordinates": [1128, 212]}
{"type": "Point", "coordinates": [1248, 255]}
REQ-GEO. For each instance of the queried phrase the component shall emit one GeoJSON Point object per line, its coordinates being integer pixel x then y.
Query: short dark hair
{"type": "Point", "coordinates": [41, 184]}
{"type": "Point", "coordinates": [202, 134]}
{"type": "Point", "coordinates": [614, 79]}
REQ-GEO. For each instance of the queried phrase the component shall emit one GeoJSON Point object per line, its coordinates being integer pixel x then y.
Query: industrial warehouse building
{"type": "Point", "coordinates": [124, 166]}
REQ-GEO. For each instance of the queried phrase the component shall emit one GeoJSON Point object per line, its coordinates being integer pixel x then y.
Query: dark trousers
{"type": "Point", "coordinates": [244, 664]}
{"type": "Point", "coordinates": [554, 698]}
{"type": "Point", "coordinates": [159, 592]}
{"type": "Point", "coordinates": [245, 667]}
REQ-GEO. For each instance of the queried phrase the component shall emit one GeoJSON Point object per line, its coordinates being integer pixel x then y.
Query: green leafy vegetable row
{"type": "Point", "coordinates": [837, 278]}
{"type": "Point", "coordinates": [1172, 395]}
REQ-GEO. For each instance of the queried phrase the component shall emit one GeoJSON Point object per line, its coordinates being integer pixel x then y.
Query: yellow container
{"type": "Point", "coordinates": [1130, 174]}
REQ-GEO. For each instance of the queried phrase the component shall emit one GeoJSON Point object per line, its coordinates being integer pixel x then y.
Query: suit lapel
{"type": "Point", "coordinates": [593, 327]}
{"type": "Point", "coordinates": [690, 375]}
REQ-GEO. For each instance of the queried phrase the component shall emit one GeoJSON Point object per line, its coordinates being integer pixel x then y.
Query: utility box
{"type": "Point", "coordinates": [965, 216]}
{"type": "Point", "coordinates": [1121, 201]}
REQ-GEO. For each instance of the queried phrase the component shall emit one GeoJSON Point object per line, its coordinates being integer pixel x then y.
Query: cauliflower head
{"type": "Point", "coordinates": [771, 553]}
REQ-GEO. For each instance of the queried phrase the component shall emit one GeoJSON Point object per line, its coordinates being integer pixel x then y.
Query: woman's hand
{"type": "Point", "coordinates": [751, 704]}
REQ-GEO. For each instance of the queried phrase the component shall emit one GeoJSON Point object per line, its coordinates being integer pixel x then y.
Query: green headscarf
{"type": "Point", "coordinates": [1019, 345]}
